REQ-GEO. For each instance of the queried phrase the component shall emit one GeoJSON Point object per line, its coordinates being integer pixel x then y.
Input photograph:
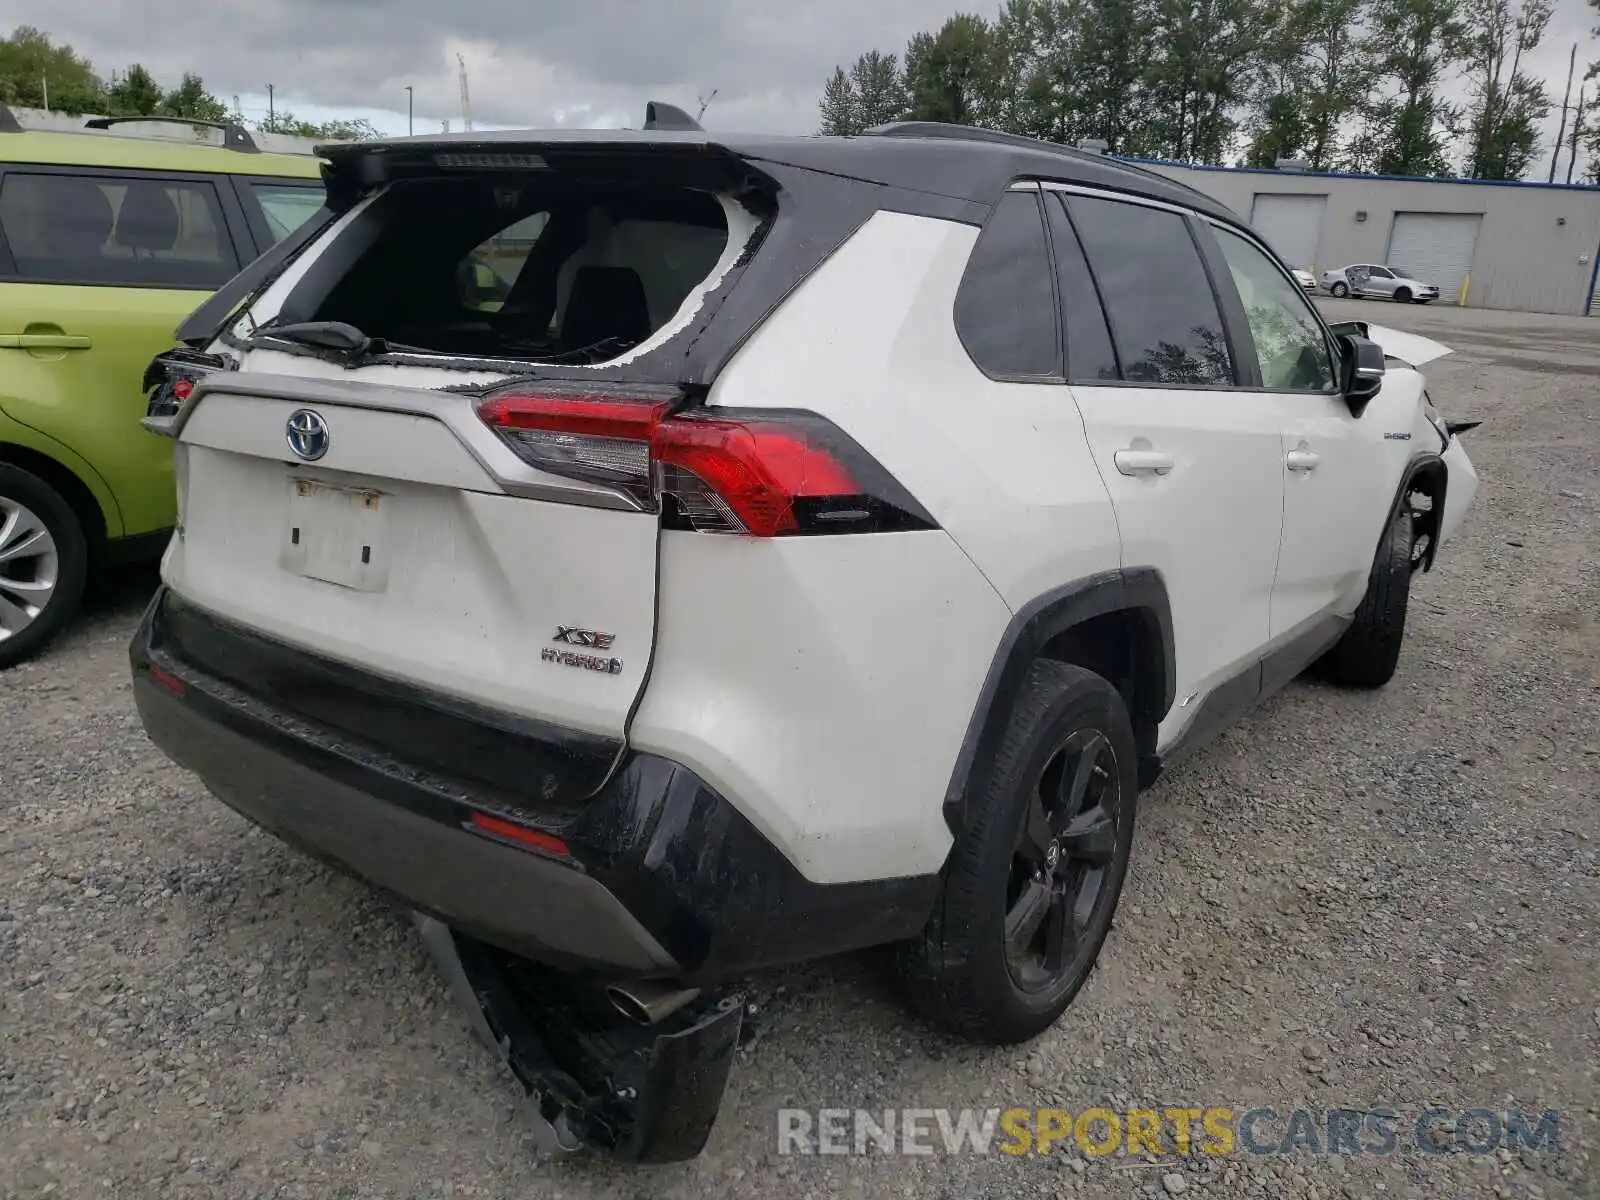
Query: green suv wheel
{"type": "Point", "coordinates": [44, 562]}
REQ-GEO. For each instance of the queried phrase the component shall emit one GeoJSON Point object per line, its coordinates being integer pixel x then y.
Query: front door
{"type": "Point", "coordinates": [1334, 495]}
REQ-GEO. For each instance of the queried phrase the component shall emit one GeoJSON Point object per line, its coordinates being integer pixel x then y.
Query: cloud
{"type": "Point", "coordinates": [595, 62]}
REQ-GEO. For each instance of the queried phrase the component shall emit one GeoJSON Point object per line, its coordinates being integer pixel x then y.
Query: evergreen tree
{"type": "Point", "coordinates": [839, 107]}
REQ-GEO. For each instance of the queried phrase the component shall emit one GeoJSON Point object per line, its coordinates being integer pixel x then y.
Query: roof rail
{"type": "Point", "coordinates": [234, 135]}
{"type": "Point", "coordinates": [968, 133]}
{"type": "Point", "coordinates": [659, 115]}
{"type": "Point", "coordinates": [8, 121]}
{"type": "Point", "coordinates": [971, 133]}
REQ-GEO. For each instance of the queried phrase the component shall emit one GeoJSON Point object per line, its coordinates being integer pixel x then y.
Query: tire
{"type": "Point", "coordinates": [1340, 289]}
{"type": "Point", "coordinates": [1369, 651]}
{"type": "Point", "coordinates": [1069, 727]}
{"type": "Point", "coordinates": [44, 563]}
{"type": "Point", "coordinates": [1402, 295]}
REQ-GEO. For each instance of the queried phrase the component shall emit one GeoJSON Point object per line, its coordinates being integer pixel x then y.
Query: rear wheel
{"type": "Point", "coordinates": [44, 561]}
{"type": "Point", "coordinates": [1402, 295]}
{"type": "Point", "coordinates": [1340, 289]}
{"type": "Point", "coordinates": [1031, 886]}
{"type": "Point", "coordinates": [1368, 653]}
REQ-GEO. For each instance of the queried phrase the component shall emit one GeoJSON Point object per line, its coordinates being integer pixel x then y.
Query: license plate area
{"type": "Point", "coordinates": [337, 535]}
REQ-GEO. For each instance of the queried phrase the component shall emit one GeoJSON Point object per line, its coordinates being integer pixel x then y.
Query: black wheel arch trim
{"type": "Point", "coordinates": [1140, 592]}
{"type": "Point", "coordinates": [1432, 465]}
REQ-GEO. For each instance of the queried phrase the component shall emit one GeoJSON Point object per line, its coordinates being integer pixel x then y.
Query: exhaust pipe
{"type": "Point", "coordinates": [647, 1002]}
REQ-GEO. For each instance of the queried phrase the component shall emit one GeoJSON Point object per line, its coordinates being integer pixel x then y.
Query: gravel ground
{"type": "Point", "coordinates": [1350, 900]}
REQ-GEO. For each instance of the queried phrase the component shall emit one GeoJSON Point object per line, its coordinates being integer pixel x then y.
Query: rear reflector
{"type": "Point", "coordinates": [165, 680]}
{"type": "Point", "coordinates": [762, 474]}
{"type": "Point", "coordinates": [511, 831]}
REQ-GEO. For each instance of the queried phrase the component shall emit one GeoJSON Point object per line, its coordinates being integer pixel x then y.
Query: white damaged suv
{"type": "Point", "coordinates": [658, 554]}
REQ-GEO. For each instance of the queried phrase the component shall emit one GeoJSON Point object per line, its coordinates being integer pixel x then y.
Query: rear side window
{"type": "Point", "coordinates": [104, 229]}
{"type": "Point", "coordinates": [1163, 316]}
{"type": "Point", "coordinates": [1005, 310]}
{"type": "Point", "coordinates": [1090, 358]}
{"type": "Point", "coordinates": [286, 207]}
{"type": "Point", "coordinates": [543, 272]}
{"type": "Point", "coordinates": [486, 275]}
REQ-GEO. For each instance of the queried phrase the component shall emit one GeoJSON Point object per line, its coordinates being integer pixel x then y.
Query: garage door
{"type": "Point", "coordinates": [1291, 225]}
{"type": "Point", "coordinates": [1436, 248]}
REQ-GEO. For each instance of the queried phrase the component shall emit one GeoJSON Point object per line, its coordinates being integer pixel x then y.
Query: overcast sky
{"type": "Point", "coordinates": [589, 62]}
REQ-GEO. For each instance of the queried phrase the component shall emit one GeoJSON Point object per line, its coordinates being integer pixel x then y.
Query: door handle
{"type": "Point", "coordinates": [44, 341]}
{"type": "Point", "coordinates": [1303, 460]}
{"type": "Point", "coordinates": [1142, 462]}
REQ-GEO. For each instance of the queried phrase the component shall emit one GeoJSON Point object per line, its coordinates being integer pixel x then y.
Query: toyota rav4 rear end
{"type": "Point", "coordinates": [478, 593]}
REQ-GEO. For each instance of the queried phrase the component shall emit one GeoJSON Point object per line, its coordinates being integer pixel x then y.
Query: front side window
{"type": "Point", "coordinates": [1005, 310]}
{"type": "Point", "coordinates": [102, 229]}
{"type": "Point", "coordinates": [1290, 345]}
{"type": "Point", "coordinates": [1163, 316]}
{"type": "Point", "coordinates": [1380, 272]}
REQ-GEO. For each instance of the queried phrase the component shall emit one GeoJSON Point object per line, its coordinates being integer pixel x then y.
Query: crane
{"type": "Point", "coordinates": [466, 101]}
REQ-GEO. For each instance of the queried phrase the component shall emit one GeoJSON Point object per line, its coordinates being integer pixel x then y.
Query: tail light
{"type": "Point", "coordinates": [760, 473]}
{"type": "Point", "coordinates": [170, 380]}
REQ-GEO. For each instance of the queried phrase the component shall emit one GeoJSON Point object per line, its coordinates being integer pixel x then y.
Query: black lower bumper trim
{"type": "Point", "coordinates": [665, 877]}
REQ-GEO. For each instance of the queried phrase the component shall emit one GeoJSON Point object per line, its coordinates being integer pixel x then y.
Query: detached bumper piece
{"type": "Point", "coordinates": [645, 1093]}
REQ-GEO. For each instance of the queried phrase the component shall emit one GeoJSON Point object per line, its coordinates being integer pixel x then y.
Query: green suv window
{"type": "Point", "coordinates": [64, 228]}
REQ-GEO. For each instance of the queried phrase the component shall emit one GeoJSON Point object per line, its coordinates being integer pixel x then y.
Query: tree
{"type": "Point", "coordinates": [191, 101]}
{"type": "Point", "coordinates": [31, 64]}
{"type": "Point", "coordinates": [1203, 56]}
{"type": "Point", "coordinates": [332, 131]}
{"type": "Point", "coordinates": [838, 105]}
{"type": "Point", "coordinates": [136, 94]}
{"type": "Point", "coordinates": [880, 93]}
{"type": "Point", "coordinates": [1115, 33]}
{"type": "Point", "coordinates": [1338, 72]}
{"type": "Point", "coordinates": [1407, 126]}
{"type": "Point", "coordinates": [1508, 104]}
{"type": "Point", "coordinates": [947, 74]}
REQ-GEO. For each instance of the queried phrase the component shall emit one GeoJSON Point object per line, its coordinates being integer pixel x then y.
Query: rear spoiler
{"type": "Point", "coordinates": [672, 147]}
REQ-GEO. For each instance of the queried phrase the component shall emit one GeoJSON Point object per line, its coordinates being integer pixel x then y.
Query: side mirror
{"type": "Point", "coordinates": [1362, 365]}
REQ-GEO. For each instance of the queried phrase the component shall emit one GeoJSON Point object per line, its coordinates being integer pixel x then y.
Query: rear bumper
{"type": "Point", "coordinates": [664, 878]}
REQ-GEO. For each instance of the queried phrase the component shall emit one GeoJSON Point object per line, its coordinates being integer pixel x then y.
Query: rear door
{"type": "Point", "coordinates": [99, 267]}
{"type": "Point", "coordinates": [1192, 460]}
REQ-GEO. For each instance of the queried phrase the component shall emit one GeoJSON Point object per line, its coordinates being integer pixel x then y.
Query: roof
{"type": "Point", "coordinates": [946, 160]}
{"type": "Point", "coordinates": [108, 149]}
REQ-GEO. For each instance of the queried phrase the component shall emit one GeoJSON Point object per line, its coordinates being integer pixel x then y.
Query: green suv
{"type": "Point", "coordinates": [106, 243]}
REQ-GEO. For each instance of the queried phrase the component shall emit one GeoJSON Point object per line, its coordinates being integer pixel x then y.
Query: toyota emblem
{"type": "Point", "coordinates": [307, 434]}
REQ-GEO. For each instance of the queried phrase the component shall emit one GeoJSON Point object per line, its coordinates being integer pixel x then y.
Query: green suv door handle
{"type": "Point", "coordinates": [44, 341]}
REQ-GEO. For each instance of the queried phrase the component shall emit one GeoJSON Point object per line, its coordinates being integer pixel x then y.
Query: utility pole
{"type": "Point", "coordinates": [705, 102]}
{"type": "Point", "coordinates": [466, 102]}
{"type": "Point", "coordinates": [410, 112]}
{"type": "Point", "coordinates": [44, 83]}
{"type": "Point", "coordinates": [1561, 131]}
{"type": "Point", "coordinates": [272, 110]}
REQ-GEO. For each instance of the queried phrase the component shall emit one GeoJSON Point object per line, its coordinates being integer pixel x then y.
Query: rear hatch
{"type": "Point", "coordinates": [426, 453]}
